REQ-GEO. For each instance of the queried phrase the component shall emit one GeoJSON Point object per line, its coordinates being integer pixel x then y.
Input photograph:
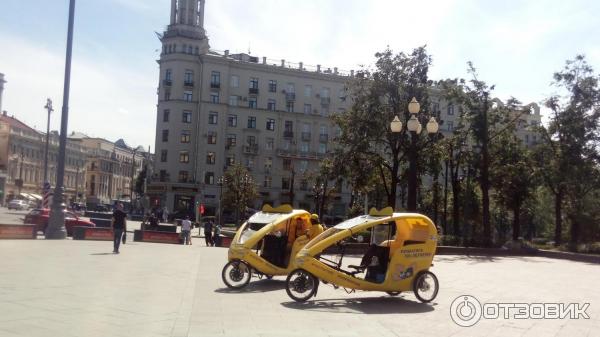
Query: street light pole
{"type": "Point", "coordinates": [132, 175]}
{"type": "Point", "coordinates": [56, 224]}
{"type": "Point", "coordinates": [49, 108]}
{"type": "Point", "coordinates": [20, 184]}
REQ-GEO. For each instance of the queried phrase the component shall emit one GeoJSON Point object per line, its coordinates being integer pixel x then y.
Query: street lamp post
{"type": "Point", "coordinates": [56, 224]}
{"type": "Point", "coordinates": [132, 176]}
{"type": "Point", "coordinates": [49, 108]}
{"type": "Point", "coordinates": [220, 182]}
{"type": "Point", "coordinates": [414, 127]}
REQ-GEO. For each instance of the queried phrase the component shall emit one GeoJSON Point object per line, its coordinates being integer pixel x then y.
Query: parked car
{"type": "Point", "coordinates": [18, 204]}
{"type": "Point", "coordinates": [40, 216]}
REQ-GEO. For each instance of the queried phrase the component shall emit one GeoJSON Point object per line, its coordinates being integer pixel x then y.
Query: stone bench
{"type": "Point", "coordinates": [18, 232]}
{"type": "Point", "coordinates": [157, 237]}
{"type": "Point", "coordinates": [93, 233]}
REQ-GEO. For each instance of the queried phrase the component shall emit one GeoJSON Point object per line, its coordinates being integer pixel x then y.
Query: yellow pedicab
{"type": "Point", "coordinates": [266, 244]}
{"type": "Point", "coordinates": [398, 257]}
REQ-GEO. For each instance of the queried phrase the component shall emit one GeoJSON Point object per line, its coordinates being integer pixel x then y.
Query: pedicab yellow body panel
{"type": "Point", "coordinates": [247, 245]}
{"type": "Point", "coordinates": [411, 251]}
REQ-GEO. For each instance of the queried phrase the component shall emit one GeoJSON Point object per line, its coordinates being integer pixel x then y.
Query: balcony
{"type": "Point", "coordinates": [325, 101]}
{"type": "Point", "coordinates": [167, 83]}
{"type": "Point", "coordinates": [290, 96]}
{"type": "Point", "coordinates": [306, 136]}
{"type": "Point", "coordinates": [253, 91]}
{"type": "Point", "coordinates": [251, 149]}
{"type": "Point", "coordinates": [188, 84]}
{"type": "Point", "coordinates": [299, 154]}
{"type": "Point", "coordinates": [214, 85]}
{"type": "Point", "coordinates": [323, 138]}
{"type": "Point", "coordinates": [288, 134]}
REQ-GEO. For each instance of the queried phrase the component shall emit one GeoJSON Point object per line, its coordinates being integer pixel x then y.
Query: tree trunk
{"type": "Point", "coordinates": [455, 207]}
{"type": "Point", "coordinates": [323, 196]}
{"type": "Point", "coordinates": [575, 227]}
{"type": "Point", "coordinates": [558, 199]}
{"type": "Point", "coordinates": [435, 197]}
{"type": "Point", "coordinates": [516, 221]}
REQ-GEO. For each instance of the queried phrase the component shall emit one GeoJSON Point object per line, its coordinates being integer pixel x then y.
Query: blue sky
{"type": "Point", "coordinates": [516, 45]}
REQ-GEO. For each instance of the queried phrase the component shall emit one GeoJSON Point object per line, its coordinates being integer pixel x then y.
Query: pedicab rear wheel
{"type": "Point", "coordinates": [426, 286]}
{"type": "Point", "coordinates": [301, 285]}
{"type": "Point", "coordinates": [236, 274]}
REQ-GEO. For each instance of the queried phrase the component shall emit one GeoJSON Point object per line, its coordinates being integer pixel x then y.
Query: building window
{"type": "Point", "coordinates": [450, 125]}
{"type": "Point", "coordinates": [231, 140]}
{"type": "Point", "coordinates": [214, 97]}
{"type": "Point", "coordinates": [287, 164]}
{"type": "Point", "coordinates": [251, 140]}
{"type": "Point", "coordinates": [184, 157]}
{"type": "Point", "coordinates": [165, 136]}
{"type": "Point", "coordinates": [288, 126]}
{"type": "Point", "coordinates": [269, 143]}
{"type": "Point", "coordinates": [270, 124]}
{"type": "Point", "coordinates": [253, 84]}
{"type": "Point", "coordinates": [251, 122]}
{"type": "Point", "coordinates": [166, 114]}
{"type": "Point", "coordinates": [163, 156]}
{"type": "Point", "coordinates": [325, 93]}
{"type": "Point", "coordinates": [183, 176]}
{"type": "Point", "coordinates": [234, 81]}
{"type": "Point", "coordinates": [324, 111]}
{"type": "Point", "coordinates": [271, 105]}
{"type": "Point", "coordinates": [186, 117]}
{"type": "Point", "coordinates": [304, 147]}
{"type": "Point", "coordinates": [210, 158]}
{"type": "Point", "coordinates": [167, 95]}
{"type": "Point", "coordinates": [209, 178]}
{"type": "Point", "coordinates": [268, 163]}
{"type": "Point", "coordinates": [307, 108]}
{"type": "Point", "coordinates": [188, 78]}
{"type": "Point", "coordinates": [285, 183]}
{"type": "Point", "coordinates": [252, 103]}
{"type": "Point", "coordinates": [186, 136]}
{"type": "Point", "coordinates": [213, 117]}
{"type": "Point", "coordinates": [212, 138]}
{"type": "Point", "coordinates": [169, 75]}
{"type": "Point", "coordinates": [450, 109]}
{"type": "Point", "coordinates": [267, 182]}
{"type": "Point", "coordinates": [232, 121]}
{"type": "Point", "coordinates": [289, 106]}
{"type": "Point", "coordinates": [230, 161]}
{"type": "Point", "coordinates": [163, 176]}
{"type": "Point", "coordinates": [272, 86]}
{"type": "Point", "coordinates": [233, 100]}
{"type": "Point", "coordinates": [303, 166]}
{"type": "Point", "coordinates": [322, 148]}
{"type": "Point", "coordinates": [215, 79]}
{"type": "Point", "coordinates": [307, 90]}
{"type": "Point", "coordinates": [188, 96]}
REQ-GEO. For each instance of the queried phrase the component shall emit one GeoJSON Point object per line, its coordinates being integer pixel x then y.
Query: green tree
{"type": "Point", "coordinates": [377, 96]}
{"type": "Point", "coordinates": [569, 148]}
{"type": "Point", "coordinates": [240, 190]}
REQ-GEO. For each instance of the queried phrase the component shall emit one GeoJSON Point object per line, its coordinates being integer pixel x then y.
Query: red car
{"type": "Point", "coordinates": [40, 218]}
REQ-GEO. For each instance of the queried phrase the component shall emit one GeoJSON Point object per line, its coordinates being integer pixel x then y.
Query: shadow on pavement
{"type": "Point", "coordinates": [473, 259]}
{"type": "Point", "coordinates": [256, 286]}
{"type": "Point", "coordinates": [367, 305]}
{"type": "Point", "coordinates": [102, 254]}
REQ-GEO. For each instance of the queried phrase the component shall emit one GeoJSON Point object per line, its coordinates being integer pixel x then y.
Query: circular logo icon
{"type": "Point", "coordinates": [465, 310]}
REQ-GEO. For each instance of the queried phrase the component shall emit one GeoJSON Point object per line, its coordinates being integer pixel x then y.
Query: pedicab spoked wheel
{"type": "Point", "coordinates": [426, 286]}
{"type": "Point", "coordinates": [393, 293]}
{"type": "Point", "coordinates": [301, 285]}
{"type": "Point", "coordinates": [236, 274]}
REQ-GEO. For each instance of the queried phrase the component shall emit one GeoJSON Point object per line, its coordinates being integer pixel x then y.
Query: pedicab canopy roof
{"type": "Point", "coordinates": [374, 215]}
{"type": "Point", "coordinates": [270, 214]}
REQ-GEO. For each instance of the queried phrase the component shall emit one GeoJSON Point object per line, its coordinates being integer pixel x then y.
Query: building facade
{"type": "Point", "coordinates": [216, 109]}
{"type": "Point", "coordinates": [22, 151]}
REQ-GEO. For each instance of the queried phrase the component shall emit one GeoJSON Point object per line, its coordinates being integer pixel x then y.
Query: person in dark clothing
{"type": "Point", "coordinates": [208, 227]}
{"type": "Point", "coordinates": [118, 225]}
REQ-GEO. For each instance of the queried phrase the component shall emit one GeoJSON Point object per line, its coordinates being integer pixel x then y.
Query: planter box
{"type": "Point", "coordinates": [18, 232]}
{"type": "Point", "coordinates": [157, 237]}
{"type": "Point", "coordinates": [93, 233]}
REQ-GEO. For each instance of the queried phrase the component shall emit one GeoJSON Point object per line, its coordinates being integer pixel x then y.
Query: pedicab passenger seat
{"type": "Point", "coordinates": [274, 249]}
{"type": "Point", "coordinates": [375, 261]}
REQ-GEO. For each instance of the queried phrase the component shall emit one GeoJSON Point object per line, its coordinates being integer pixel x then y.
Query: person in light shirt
{"type": "Point", "coordinates": [186, 227]}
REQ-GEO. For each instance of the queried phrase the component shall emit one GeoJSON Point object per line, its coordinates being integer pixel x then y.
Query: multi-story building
{"type": "Point", "coordinates": [22, 150]}
{"type": "Point", "coordinates": [216, 109]}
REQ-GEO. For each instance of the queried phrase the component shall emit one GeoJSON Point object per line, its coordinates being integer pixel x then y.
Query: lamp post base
{"type": "Point", "coordinates": [56, 223]}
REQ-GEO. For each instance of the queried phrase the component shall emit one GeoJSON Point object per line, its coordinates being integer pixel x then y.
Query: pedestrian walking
{"type": "Point", "coordinates": [118, 225]}
{"type": "Point", "coordinates": [186, 227]}
{"type": "Point", "coordinates": [165, 214]}
{"type": "Point", "coordinates": [208, 228]}
{"type": "Point", "coordinates": [217, 236]}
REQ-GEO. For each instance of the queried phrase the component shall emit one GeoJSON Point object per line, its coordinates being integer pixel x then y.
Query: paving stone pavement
{"type": "Point", "coordinates": [78, 288]}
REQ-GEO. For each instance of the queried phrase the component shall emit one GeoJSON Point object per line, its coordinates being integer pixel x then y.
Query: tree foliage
{"type": "Point", "coordinates": [239, 189]}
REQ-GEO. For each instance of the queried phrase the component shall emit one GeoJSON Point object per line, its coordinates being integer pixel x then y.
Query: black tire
{"type": "Point", "coordinates": [236, 274]}
{"type": "Point", "coordinates": [269, 277]}
{"type": "Point", "coordinates": [393, 293]}
{"type": "Point", "coordinates": [301, 285]}
{"type": "Point", "coordinates": [426, 286]}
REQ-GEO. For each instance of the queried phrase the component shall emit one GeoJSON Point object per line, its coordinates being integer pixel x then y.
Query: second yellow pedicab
{"type": "Point", "coordinates": [398, 257]}
{"type": "Point", "coordinates": [265, 245]}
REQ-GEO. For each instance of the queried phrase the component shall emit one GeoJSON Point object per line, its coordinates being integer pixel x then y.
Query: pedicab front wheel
{"type": "Point", "coordinates": [426, 286]}
{"type": "Point", "coordinates": [301, 285]}
{"type": "Point", "coordinates": [236, 274]}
